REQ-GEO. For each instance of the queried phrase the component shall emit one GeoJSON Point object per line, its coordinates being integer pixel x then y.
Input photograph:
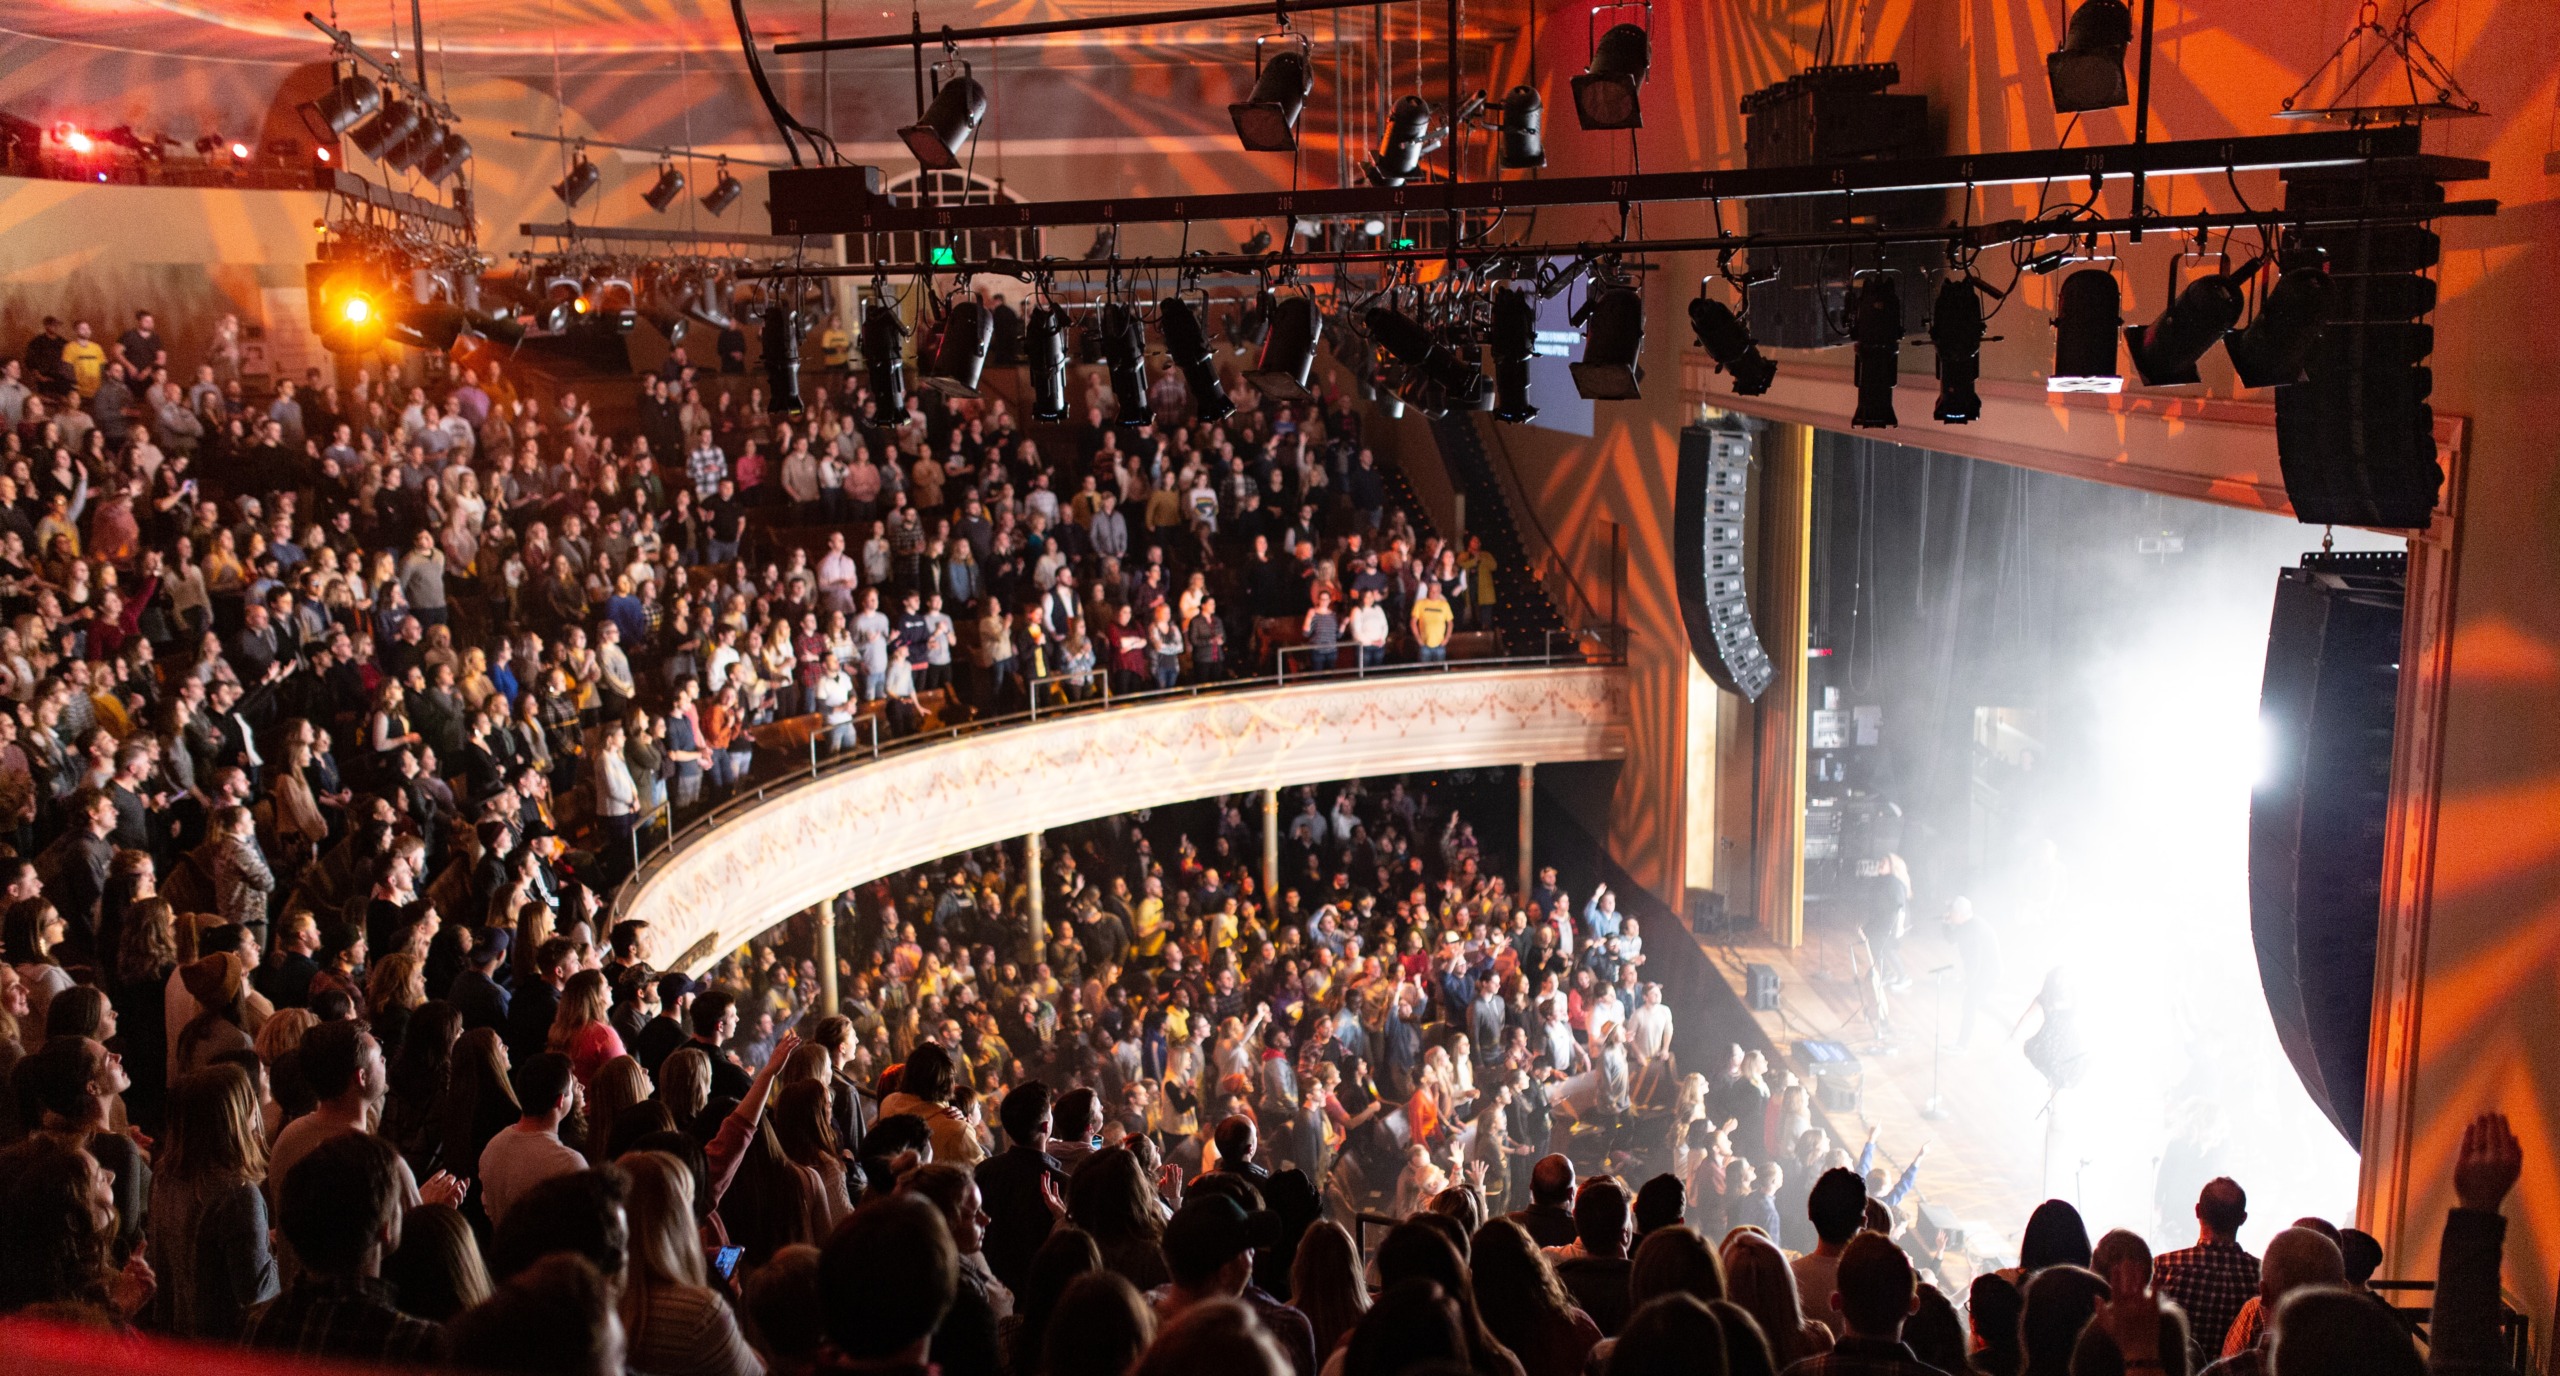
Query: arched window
{"type": "Point", "coordinates": [922, 188]}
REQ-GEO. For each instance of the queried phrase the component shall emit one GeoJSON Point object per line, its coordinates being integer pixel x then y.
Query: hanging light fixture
{"type": "Point", "coordinates": [445, 157]}
{"type": "Point", "coordinates": [401, 156]}
{"type": "Point", "coordinates": [1515, 342]}
{"type": "Point", "coordinates": [959, 103]}
{"type": "Point", "coordinates": [1524, 124]}
{"type": "Point", "coordinates": [2084, 334]}
{"type": "Point", "coordinates": [1605, 96]}
{"type": "Point", "coordinates": [581, 179]}
{"type": "Point", "coordinates": [670, 184]}
{"type": "Point", "coordinates": [884, 361]}
{"type": "Point", "coordinates": [351, 101]}
{"type": "Point", "coordinates": [1267, 118]}
{"type": "Point", "coordinates": [1446, 379]}
{"type": "Point", "coordinates": [781, 340]}
{"type": "Point", "coordinates": [725, 191]}
{"type": "Point", "coordinates": [1186, 341]}
{"type": "Point", "coordinates": [1409, 138]}
{"type": "Point", "coordinates": [1728, 341]}
{"type": "Point", "coordinates": [1289, 349]}
{"type": "Point", "coordinates": [1875, 327]}
{"type": "Point", "coordinates": [1612, 366]}
{"type": "Point", "coordinates": [1956, 330]}
{"type": "Point", "coordinates": [1124, 355]}
{"type": "Point", "coordinates": [391, 124]}
{"type": "Point", "coordinates": [2088, 73]}
{"type": "Point", "coordinates": [2271, 350]}
{"type": "Point", "coordinates": [960, 355]}
{"type": "Point", "coordinates": [2166, 350]}
{"type": "Point", "coordinates": [1044, 349]}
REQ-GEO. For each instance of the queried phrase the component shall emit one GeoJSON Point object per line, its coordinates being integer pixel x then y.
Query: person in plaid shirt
{"type": "Point", "coordinates": [340, 1211]}
{"type": "Point", "coordinates": [2215, 1278]}
{"type": "Point", "coordinates": [1877, 1290]}
{"type": "Point", "coordinates": [706, 465]}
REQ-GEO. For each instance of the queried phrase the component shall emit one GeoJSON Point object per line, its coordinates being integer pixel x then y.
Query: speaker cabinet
{"type": "Point", "coordinates": [1709, 516]}
{"type": "Point", "coordinates": [2317, 819]}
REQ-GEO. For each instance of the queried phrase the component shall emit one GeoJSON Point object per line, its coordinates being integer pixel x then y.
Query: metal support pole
{"type": "Point", "coordinates": [1528, 827]}
{"type": "Point", "coordinates": [418, 40]}
{"type": "Point", "coordinates": [1035, 903]}
{"type": "Point", "coordinates": [2142, 111]}
{"type": "Point", "coordinates": [1270, 848]}
{"type": "Point", "coordinates": [827, 958]}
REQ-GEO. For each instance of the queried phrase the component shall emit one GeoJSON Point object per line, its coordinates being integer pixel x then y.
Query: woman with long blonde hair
{"type": "Point", "coordinates": [619, 1084]}
{"type": "Point", "coordinates": [581, 1030]}
{"type": "Point", "coordinates": [208, 1219]}
{"type": "Point", "coordinates": [1757, 1279]}
{"type": "Point", "coordinates": [675, 1323]}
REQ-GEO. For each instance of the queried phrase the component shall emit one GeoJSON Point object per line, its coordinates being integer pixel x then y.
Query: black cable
{"type": "Point", "coordinates": [784, 121]}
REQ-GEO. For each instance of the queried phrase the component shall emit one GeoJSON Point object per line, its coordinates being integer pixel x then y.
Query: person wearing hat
{"type": "Point", "coordinates": [476, 993]}
{"type": "Point", "coordinates": [1209, 1248]}
{"type": "Point", "coordinates": [219, 984]}
{"type": "Point", "coordinates": [662, 1035]}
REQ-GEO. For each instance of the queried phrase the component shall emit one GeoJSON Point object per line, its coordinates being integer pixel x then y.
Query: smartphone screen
{"type": "Point", "coordinates": [726, 1259]}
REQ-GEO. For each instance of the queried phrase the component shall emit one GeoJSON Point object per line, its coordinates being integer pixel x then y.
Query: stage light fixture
{"type": "Point", "coordinates": [1515, 342]}
{"type": "Point", "coordinates": [1605, 96]}
{"type": "Point", "coordinates": [2084, 334]}
{"type": "Point", "coordinates": [2165, 351]}
{"type": "Point", "coordinates": [1267, 118]}
{"type": "Point", "coordinates": [389, 125]}
{"type": "Point", "coordinates": [1187, 342]}
{"type": "Point", "coordinates": [349, 305]}
{"type": "Point", "coordinates": [1409, 138]}
{"type": "Point", "coordinates": [1289, 349]}
{"type": "Point", "coordinates": [670, 184]}
{"type": "Point", "coordinates": [958, 105]}
{"type": "Point", "coordinates": [1728, 341]}
{"type": "Point", "coordinates": [1044, 350]}
{"type": "Point", "coordinates": [883, 343]}
{"type": "Point", "coordinates": [781, 340]}
{"type": "Point", "coordinates": [350, 102]}
{"type": "Point", "coordinates": [1124, 354]}
{"type": "Point", "coordinates": [2271, 350]}
{"type": "Point", "coordinates": [427, 324]}
{"type": "Point", "coordinates": [563, 301]}
{"type": "Point", "coordinates": [71, 136]}
{"type": "Point", "coordinates": [581, 179]}
{"type": "Point", "coordinates": [444, 157]}
{"type": "Point", "coordinates": [401, 156]}
{"type": "Point", "coordinates": [1524, 124]}
{"type": "Point", "coordinates": [1956, 329]}
{"type": "Point", "coordinates": [1443, 379]}
{"type": "Point", "coordinates": [960, 353]}
{"type": "Point", "coordinates": [724, 192]}
{"type": "Point", "coordinates": [323, 154]}
{"type": "Point", "coordinates": [1612, 366]}
{"type": "Point", "coordinates": [239, 151]}
{"type": "Point", "coordinates": [613, 304]}
{"type": "Point", "coordinates": [2088, 73]}
{"type": "Point", "coordinates": [1875, 327]}
{"type": "Point", "coordinates": [1258, 245]}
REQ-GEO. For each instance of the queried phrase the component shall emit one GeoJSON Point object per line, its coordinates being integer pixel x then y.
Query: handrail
{"type": "Point", "coordinates": [1598, 647]}
{"type": "Point", "coordinates": [1507, 483]}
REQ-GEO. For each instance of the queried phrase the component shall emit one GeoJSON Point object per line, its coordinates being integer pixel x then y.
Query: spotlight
{"type": "Point", "coordinates": [71, 137]}
{"type": "Point", "coordinates": [582, 178]}
{"type": "Point", "coordinates": [444, 158]}
{"type": "Point", "coordinates": [781, 340]}
{"type": "Point", "coordinates": [427, 324]}
{"type": "Point", "coordinates": [1289, 349]}
{"type": "Point", "coordinates": [1408, 139]}
{"type": "Point", "coordinates": [1258, 245]}
{"type": "Point", "coordinates": [2271, 351]}
{"type": "Point", "coordinates": [1604, 96]}
{"type": "Point", "coordinates": [1515, 342]}
{"type": "Point", "coordinates": [884, 363]}
{"type": "Point", "coordinates": [563, 301]}
{"type": "Point", "coordinates": [1267, 119]}
{"type": "Point", "coordinates": [1188, 343]}
{"type": "Point", "coordinates": [347, 303]}
{"type": "Point", "coordinates": [407, 150]}
{"type": "Point", "coordinates": [2084, 334]}
{"type": "Point", "coordinates": [960, 353]}
{"type": "Point", "coordinates": [2165, 351]}
{"type": "Point", "coordinates": [1612, 366]}
{"type": "Point", "coordinates": [1044, 348]}
{"type": "Point", "coordinates": [663, 298]}
{"type": "Point", "coordinates": [239, 151]}
{"type": "Point", "coordinates": [2088, 74]}
{"type": "Point", "coordinates": [948, 122]}
{"type": "Point", "coordinates": [1524, 123]}
{"type": "Point", "coordinates": [1875, 326]}
{"type": "Point", "coordinates": [724, 192]}
{"type": "Point", "coordinates": [613, 304]}
{"type": "Point", "coordinates": [1955, 328]}
{"type": "Point", "coordinates": [1728, 341]}
{"type": "Point", "coordinates": [711, 298]}
{"type": "Point", "coordinates": [350, 102]}
{"type": "Point", "coordinates": [1124, 354]}
{"type": "Point", "coordinates": [323, 154]}
{"type": "Point", "coordinates": [1447, 381]}
{"type": "Point", "coordinates": [669, 186]}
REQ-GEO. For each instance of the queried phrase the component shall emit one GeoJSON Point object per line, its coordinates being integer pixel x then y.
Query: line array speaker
{"type": "Point", "coordinates": [1709, 518]}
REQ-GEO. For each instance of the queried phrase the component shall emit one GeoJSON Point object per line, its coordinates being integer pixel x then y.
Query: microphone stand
{"type": "Point", "coordinates": [1936, 1107]}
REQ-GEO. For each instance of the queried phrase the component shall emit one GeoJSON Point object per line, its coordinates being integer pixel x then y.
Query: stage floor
{"type": "Point", "coordinates": [1987, 1146]}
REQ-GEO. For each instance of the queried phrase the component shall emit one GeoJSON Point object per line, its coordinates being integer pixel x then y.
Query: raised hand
{"type": "Point", "coordinates": [2490, 1162]}
{"type": "Point", "coordinates": [442, 1188]}
{"type": "Point", "coordinates": [2131, 1316]}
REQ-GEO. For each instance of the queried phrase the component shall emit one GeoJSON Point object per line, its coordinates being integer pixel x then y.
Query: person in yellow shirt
{"type": "Point", "coordinates": [835, 347]}
{"type": "Point", "coordinates": [1147, 930]}
{"type": "Point", "coordinates": [1433, 619]}
{"type": "Point", "coordinates": [87, 360]}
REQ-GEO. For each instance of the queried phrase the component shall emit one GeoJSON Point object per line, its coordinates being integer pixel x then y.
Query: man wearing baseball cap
{"type": "Point", "coordinates": [1209, 1248]}
{"type": "Point", "coordinates": [662, 1035]}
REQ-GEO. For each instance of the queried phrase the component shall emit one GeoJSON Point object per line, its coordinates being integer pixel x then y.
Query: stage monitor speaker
{"type": "Point", "coordinates": [1708, 517]}
{"type": "Point", "coordinates": [1762, 990]}
{"type": "Point", "coordinates": [2317, 819]}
